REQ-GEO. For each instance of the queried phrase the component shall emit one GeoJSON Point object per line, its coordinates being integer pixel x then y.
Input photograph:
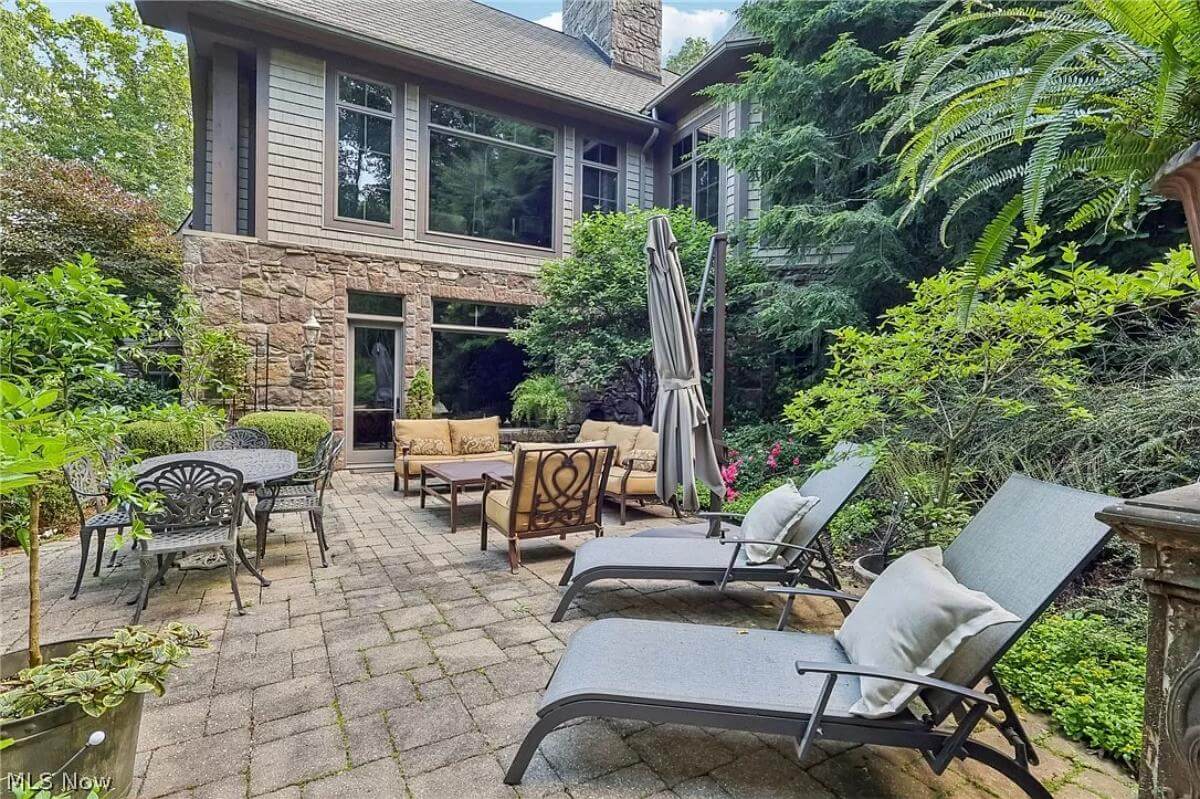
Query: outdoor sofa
{"type": "Point", "coordinates": [720, 558]}
{"type": "Point", "coordinates": [634, 471]}
{"type": "Point", "coordinates": [1022, 548]}
{"type": "Point", "coordinates": [421, 441]}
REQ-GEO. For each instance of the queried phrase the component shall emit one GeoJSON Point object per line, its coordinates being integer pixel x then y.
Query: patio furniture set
{"type": "Point", "coordinates": [199, 500]}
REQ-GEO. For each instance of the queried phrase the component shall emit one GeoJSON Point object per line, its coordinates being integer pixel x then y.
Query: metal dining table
{"type": "Point", "coordinates": [258, 467]}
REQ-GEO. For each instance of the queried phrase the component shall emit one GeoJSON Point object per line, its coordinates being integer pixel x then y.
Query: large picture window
{"type": "Point", "coordinates": [475, 365]}
{"type": "Point", "coordinates": [599, 175]}
{"type": "Point", "coordinates": [365, 116]}
{"type": "Point", "coordinates": [490, 177]}
{"type": "Point", "coordinates": [696, 181]}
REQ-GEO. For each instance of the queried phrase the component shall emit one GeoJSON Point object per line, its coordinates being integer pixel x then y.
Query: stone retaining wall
{"type": "Point", "coordinates": [261, 287]}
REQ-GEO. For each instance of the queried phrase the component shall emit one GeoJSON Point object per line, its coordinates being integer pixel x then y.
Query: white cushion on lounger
{"type": "Point", "coordinates": [912, 619]}
{"type": "Point", "coordinates": [771, 517]}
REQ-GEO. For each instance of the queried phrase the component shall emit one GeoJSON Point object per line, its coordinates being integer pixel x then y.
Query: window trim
{"type": "Point", "coordinates": [424, 233]}
{"type": "Point", "coordinates": [689, 131]}
{"type": "Point", "coordinates": [580, 163]}
{"type": "Point", "coordinates": [392, 228]}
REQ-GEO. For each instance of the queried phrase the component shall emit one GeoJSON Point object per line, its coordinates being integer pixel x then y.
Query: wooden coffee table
{"type": "Point", "coordinates": [455, 476]}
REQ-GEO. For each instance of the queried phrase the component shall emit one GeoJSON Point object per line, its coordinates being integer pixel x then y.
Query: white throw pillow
{"type": "Point", "coordinates": [912, 619]}
{"type": "Point", "coordinates": [770, 519]}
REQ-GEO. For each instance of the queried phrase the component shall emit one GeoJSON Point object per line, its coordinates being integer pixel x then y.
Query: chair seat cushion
{"type": "Point", "coordinates": [912, 619]}
{"type": "Point", "coordinates": [700, 666]}
{"type": "Point", "coordinates": [639, 483]}
{"type": "Point", "coordinates": [497, 508]}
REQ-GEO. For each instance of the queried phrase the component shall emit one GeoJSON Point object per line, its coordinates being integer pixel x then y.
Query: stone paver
{"type": "Point", "coordinates": [413, 665]}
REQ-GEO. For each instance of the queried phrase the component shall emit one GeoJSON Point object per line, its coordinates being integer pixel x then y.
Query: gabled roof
{"type": "Point", "coordinates": [476, 36]}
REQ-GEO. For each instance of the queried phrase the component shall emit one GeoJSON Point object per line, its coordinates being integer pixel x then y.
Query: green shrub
{"type": "Point", "coordinates": [418, 403]}
{"type": "Point", "coordinates": [542, 401]}
{"type": "Point", "coordinates": [855, 523]}
{"type": "Point", "coordinates": [742, 502]}
{"type": "Point", "coordinates": [1087, 675]}
{"type": "Point", "coordinates": [131, 393]}
{"type": "Point", "coordinates": [171, 429]}
{"type": "Point", "coordinates": [58, 510]}
{"type": "Point", "coordinates": [294, 430]}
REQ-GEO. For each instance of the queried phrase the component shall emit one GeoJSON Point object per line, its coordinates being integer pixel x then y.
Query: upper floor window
{"type": "Point", "coordinates": [490, 177]}
{"type": "Point", "coordinates": [600, 176]}
{"type": "Point", "coordinates": [696, 181]}
{"type": "Point", "coordinates": [365, 115]}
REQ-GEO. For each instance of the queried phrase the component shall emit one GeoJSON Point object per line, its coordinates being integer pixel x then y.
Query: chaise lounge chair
{"type": "Point", "coordinates": [1023, 547]}
{"type": "Point", "coordinates": [720, 559]}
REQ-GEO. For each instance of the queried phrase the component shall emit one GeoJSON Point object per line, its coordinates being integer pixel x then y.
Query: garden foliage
{"type": "Point", "coordinates": [419, 399]}
{"type": "Point", "coordinates": [1089, 677]}
{"type": "Point", "coordinates": [171, 429]}
{"type": "Point", "coordinates": [295, 430]}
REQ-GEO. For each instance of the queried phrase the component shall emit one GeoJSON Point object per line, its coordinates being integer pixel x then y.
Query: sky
{"type": "Point", "coordinates": [681, 18]}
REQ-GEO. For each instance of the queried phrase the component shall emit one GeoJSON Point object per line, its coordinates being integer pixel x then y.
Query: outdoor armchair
{"type": "Point", "coordinates": [556, 489]}
{"type": "Point", "coordinates": [91, 495]}
{"type": "Point", "coordinates": [1022, 548]}
{"type": "Point", "coordinates": [302, 493]}
{"type": "Point", "coordinates": [721, 559]}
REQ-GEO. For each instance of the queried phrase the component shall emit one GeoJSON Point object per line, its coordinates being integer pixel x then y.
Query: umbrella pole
{"type": "Point", "coordinates": [720, 245]}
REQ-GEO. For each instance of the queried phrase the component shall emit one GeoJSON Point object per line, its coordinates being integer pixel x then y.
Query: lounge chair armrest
{"type": "Point", "coordinates": [806, 667]}
{"type": "Point", "coordinates": [720, 514]}
{"type": "Point", "coordinates": [491, 480]}
{"type": "Point", "coordinates": [787, 590]}
{"type": "Point", "coordinates": [770, 542]}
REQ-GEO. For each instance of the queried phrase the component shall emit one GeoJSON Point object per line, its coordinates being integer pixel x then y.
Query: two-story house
{"type": "Point", "coordinates": [398, 169]}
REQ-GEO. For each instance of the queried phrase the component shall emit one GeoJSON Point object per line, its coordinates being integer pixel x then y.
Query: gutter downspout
{"type": "Point", "coordinates": [642, 165]}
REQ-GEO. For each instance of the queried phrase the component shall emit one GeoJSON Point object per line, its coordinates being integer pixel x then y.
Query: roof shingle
{"type": "Point", "coordinates": [483, 38]}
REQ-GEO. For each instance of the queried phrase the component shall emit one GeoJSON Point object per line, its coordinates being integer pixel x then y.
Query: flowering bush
{"type": "Point", "coordinates": [760, 454]}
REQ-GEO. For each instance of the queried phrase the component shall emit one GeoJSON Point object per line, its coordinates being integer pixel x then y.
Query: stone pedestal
{"type": "Point", "coordinates": [1166, 527]}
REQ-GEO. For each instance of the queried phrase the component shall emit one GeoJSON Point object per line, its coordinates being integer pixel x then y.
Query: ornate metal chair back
{"type": "Point", "coordinates": [87, 489]}
{"type": "Point", "coordinates": [321, 451]}
{"type": "Point", "coordinates": [331, 456]}
{"type": "Point", "coordinates": [190, 494]}
{"type": "Point", "coordinates": [116, 451]}
{"type": "Point", "coordinates": [559, 485]}
{"type": "Point", "coordinates": [240, 438]}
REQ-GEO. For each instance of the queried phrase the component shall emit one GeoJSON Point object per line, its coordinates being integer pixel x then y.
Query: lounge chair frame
{"type": "Point", "coordinates": [945, 699]}
{"type": "Point", "coordinates": [806, 561]}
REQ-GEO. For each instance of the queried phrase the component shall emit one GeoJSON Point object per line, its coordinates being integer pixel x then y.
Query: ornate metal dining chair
{"type": "Point", "coordinates": [240, 438]}
{"type": "Point", "coordinates": [90, 494]}
{"type": "Point", "coordinates": [311, 501]}
{"type": "Point", "coordinates": [198, 506]}
{"type": "Point", "coordinates": [304, 480]}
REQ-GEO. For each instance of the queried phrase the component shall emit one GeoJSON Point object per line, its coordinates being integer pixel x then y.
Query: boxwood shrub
{"type": "Point", "coordinates": [1088, 675]}
{"type": "Point", "coordinates": [294, 430]}
{"type": "Point", "coordinates": [153, 437]}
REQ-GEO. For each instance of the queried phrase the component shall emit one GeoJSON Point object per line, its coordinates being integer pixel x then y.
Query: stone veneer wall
{"type": "Point", "coordinates": [629, 30]}
{"type": "Point", "coordinates": [262, 287]}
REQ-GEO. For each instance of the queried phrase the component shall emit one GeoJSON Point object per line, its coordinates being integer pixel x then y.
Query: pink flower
{"type": "Point", "coordinates": [730, 495]}
{"type": "Point", "coordinates": [796, 461]}
{"type": "Point", "coordinates": [772, 462]}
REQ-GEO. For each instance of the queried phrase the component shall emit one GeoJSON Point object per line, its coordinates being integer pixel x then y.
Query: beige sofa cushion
{"type": "Point", "coordinates": [643, 460]}
{"type": "Point", "coordinates": [416, 461]}
{"type": "Point", "coordinates": [474, 436]}
{"type": "Point", "coordinates": [624, 438]}
{"type": "Point", "coordinates": [422, 436]}
{"type": "Point", "coordinates": [639, 483]}
{"type": "Point", "coordinates": [646, 439]}
{"type": "Point", "coordinates": [593, 430]}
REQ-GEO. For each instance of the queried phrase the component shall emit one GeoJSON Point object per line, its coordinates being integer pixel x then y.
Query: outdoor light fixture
{"type": "Point", "coordinates": [312, 331]}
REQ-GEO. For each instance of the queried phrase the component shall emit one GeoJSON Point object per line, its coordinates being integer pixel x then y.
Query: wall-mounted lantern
{"type": "Point", "coordinates": [312, 332]}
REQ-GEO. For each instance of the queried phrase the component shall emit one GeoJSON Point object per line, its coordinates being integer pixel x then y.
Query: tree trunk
{"type": "Point", "coordinates": [35, 577]}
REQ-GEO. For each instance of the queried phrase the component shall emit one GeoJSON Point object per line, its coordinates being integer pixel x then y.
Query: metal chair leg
{"type": "Point", "coordinates": [99, 551]}
{"type": "Point", "coordinates": [241, 553]}
{"type": "Point", "coordinates": [85, 541]}
{"type": "Point", "coordinates": [319, 525]}
{"type": "Point", "coordinates": [143, 597]}
{"type": "Point", "coordinates": [260, 538]}
{"type": "Point", "coordinates": [231, 566]}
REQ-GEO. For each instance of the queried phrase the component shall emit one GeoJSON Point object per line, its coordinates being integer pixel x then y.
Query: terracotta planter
{"type": "Point", "coordinates": [46, 741]}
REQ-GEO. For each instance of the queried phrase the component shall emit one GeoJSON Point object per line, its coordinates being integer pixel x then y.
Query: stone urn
{"type": "Point", "coordinates": [54, 744]}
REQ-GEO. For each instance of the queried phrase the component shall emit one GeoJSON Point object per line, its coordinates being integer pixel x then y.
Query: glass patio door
{"type": "Point", "coordinates": [375, 388]}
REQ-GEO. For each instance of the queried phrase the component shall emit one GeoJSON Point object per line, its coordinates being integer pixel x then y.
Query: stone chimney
{"type": "Point", "coordinates": [629, 31]}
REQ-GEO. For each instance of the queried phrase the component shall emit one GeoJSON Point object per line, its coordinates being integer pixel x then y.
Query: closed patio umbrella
{"type": "Point", "coordinates": [685, 445]}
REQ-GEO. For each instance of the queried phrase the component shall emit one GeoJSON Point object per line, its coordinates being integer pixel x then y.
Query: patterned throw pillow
{"type": "Point", "coordinates": [428, 446]}
{"type": "Point", "coordinates": [643, 460]}
{"type": "Point", "coordinates": [477, 445]}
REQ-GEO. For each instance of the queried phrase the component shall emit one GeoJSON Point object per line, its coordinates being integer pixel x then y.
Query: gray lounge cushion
{"type": "Point", "coordinates": [633, 554]}
{"type": "Point", "coordinates": [912, 619]}
{"type": "Point", "coordinates": [697, 665]}
{"type": "Point", "coordinates": [771, 518]}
